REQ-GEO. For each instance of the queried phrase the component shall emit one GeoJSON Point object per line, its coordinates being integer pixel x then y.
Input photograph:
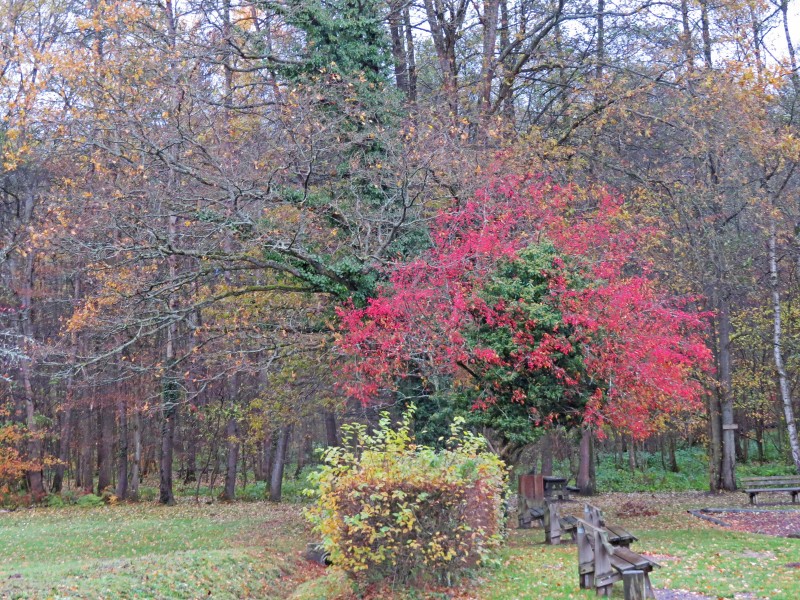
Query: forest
{"type": "Point", "coordinates": [230, 227]}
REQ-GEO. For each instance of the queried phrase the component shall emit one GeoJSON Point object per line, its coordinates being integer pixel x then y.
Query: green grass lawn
{"type": "Point", "coordinates": [250, 550]}
{"type": "Point", "coordinates": [146, 551]}
{"type": "Point", "coordinates": [695, 555]}
{"type": "Point", "coordinates": [720, 564]}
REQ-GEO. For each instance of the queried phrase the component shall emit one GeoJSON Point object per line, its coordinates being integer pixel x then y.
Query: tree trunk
{"type": "Point", "coordinates": [63, 446]}
{"type": "Point", "coordinates": [410, 55]}
{"type": "Point", "coordinates": [728, 473]}
{"type": "Point", "coordinates": [744, 442]}
{"type": "Point", "coordinates": [305, 450]}
{"type": "Point", "coordinates": [270, 446]}
{"type": "Point", "coordinates": [133, 488]}
{"type": "Point", "coordinates": [686, 36]}
{"type": "Point", "coordinates": [705, 26]}
{"type": "Point", "coordinates": [122, 465]}
{"type": "Point", "coordinates": [672, 460]}
{"type": "Point", "coordinates": [331, 429]}
{"type": "Point", "coordinates": [170, 391]}
{"type": "Point", "coordinates": [491, 9]}
{"type": "Point", "coordinates": [795, 76]}
{"type": "Point", "coordinates": [105, 448]}
{"type": "Point", "coordinates": [276, 478]}
{"type": "Point", "coordinates": [760, 443]}
{"type": "Point", "coordinates": [35, 476]}
{"type": "Point", "coordinates": [586, 472]}
{"type": "Point", "coordinates": [232, 438]}
{"type": "Point", "coordinates": [632, 455]}
{"type": "Point", "coordinates": [258, 463]}
{"type": "Point", "coordinates": [715, 441]}
{"type": "Point", "coordinates": [169, 415]}
{"type": "Point", "coordinates": [783, 380]}
{"type": "Point", "coordinates": [69, 399]}
{"type": "Point", "coordinates": [396, 31]}
{"type": "Point", "coordinates": [86, 466]}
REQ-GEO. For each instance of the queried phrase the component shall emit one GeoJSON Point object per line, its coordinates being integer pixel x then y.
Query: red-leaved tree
{"type": "Point", "coordinates": [531, 289]}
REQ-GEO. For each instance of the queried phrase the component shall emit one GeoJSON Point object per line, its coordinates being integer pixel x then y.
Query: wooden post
{"type": "Point", "coordinates": [634, 585]}
{"type": "Point", "coordinates": [585, 559]}
{"type": "Point", "coordinates": [593, 516]}
{"type": "Point", "coordinates": [552, 528]}
{"type": "Point", "coordinates": [603, 572]}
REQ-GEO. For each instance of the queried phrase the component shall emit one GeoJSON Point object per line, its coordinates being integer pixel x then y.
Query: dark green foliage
{"type": "Point", "coordinates": [90, 501]}
{"type": "Point", "coordinates": [340, 69]}
{"type": "Point", "coordinates": [523, 286]}
{"type": "Point", "coordinates": [342, 37]}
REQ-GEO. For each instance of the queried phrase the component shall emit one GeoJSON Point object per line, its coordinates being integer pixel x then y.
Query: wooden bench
{"type": "Point", "coordinates": [601, 564]}
{"type": "Point", "coordinates": [556, 525]}
{"type": "Point", "coordinates": [783, 483]}
{"type": "Point", "coordinates": [528, 515]}
{"type": "Point", "coordinates": [617, 536]}
{"type": "Point", "coordinates": [753, 486]}
{"type": "Point", "coordinates": [533, 491]}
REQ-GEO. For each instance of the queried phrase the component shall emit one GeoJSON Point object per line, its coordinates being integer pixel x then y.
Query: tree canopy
{"type": "Point", "coordinates": [533, 301]}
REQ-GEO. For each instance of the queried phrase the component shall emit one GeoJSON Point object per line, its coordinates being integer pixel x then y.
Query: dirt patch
{"type": "Point", "coordinates": [636, 509]}
{"type": "Point", "coordinates": [781, 523]}
{"type": "Point", "coordinates": [679, 595]}
{"type": "Point", "coordinates": [660, 558]}
{"type": "Point", "coordinates": [763, 555]}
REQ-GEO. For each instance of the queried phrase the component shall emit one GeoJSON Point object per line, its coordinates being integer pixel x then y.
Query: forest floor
{"type": "Point", "coordinates": [253, 550]}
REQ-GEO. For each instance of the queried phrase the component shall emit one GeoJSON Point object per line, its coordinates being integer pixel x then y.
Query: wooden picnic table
{"type": "Point", "coordinates": [555, 487]}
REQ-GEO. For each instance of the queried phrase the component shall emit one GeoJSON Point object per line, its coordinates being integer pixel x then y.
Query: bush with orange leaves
{"type": "Point", "coordinates": [13, 464]}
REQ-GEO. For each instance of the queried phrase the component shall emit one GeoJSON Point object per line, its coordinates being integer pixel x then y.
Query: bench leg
{"type": "Point", "coordinates": [585, 580]}
{"type": "Point", "coordinates": [604, 591]}
{"type": "Point", "coordinates": [794, 497]}
{"type": "Point", "coordinates": [648, 587]}
{"type": "Point", "coordinates": [754, 499]}
{"type": "Point", "coordinates": [634, 583]}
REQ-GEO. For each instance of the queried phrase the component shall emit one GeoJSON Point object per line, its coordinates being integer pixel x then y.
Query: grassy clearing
{"type": "Point", "coordinates": [250, 550]}
{"type": "Point", "coordinates": [146, 551]}
{"type": "Point", "coordinates": [695, 555]}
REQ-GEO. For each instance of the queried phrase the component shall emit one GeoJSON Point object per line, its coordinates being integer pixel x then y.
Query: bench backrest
{"type": "Point", "coordinates": [552, 523]}
{"type": "Point", "coordinates": [593, 515]}
{"type": "Point", "coordinates": [594, 548]}
{"type": "Point", "coordinates": [781, 480]}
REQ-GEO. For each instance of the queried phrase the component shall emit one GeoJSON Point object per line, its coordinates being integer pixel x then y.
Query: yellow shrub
{"type": "Point", "coordinates": [388, 508]}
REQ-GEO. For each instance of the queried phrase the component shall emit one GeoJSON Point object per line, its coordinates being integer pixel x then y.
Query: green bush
{"type": "Point", "coordinates": [69, 497]}
{"type": "Point", "coordinates": [147, 494]}
{"type": "Point", "coordinates": [252, 492]}
{"type": "Point", "coordinates": [388, 508]}
{"type": "Point", "coordinates": [55, 501]}
{"type": "Point", "coordinates": [300, 488]}
{"type": "Point", "coordinates": [90, 501]}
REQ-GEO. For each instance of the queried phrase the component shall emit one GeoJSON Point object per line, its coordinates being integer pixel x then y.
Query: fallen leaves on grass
{"type": "Point", "coordinates": [781, 523]}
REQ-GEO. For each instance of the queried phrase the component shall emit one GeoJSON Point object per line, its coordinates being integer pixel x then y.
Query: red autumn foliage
{"type": "Point", "coordinates": [643, 351]}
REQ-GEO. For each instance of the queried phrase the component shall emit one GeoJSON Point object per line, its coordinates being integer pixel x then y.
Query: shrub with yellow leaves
{"type": "Point", "coordinates": [388, 508]}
